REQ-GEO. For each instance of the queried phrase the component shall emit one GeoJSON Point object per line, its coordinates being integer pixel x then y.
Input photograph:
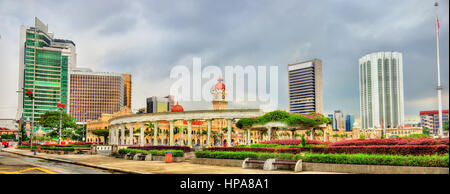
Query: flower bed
{"type": "Point", "coordinates": [240, 149]}
{"type": "Point", "coordinates": [183, 148]}
{"type": "Point", "coordinates": [385, 149]}
{"type": "Point", "coordinates": [393, 141]}
{"type": "Point", "coordinates": [175, 153]}
{"type": "Point", "coordinates": [293, 142]}
{"type": "Point", "coordinates": [362, 159]}
{"type": "Point", "coordinates": [278, 146]}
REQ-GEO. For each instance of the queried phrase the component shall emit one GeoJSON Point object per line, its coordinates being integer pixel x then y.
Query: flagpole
{"type": "Point", "coordinates": [439, 87]}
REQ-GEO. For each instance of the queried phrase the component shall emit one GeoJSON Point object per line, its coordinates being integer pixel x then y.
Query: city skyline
{"type": "Point", "coordinates": [224, 39]}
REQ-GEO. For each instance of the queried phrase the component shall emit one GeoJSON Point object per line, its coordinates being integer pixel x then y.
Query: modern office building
{"type": "Point", "coordinates": [305, 86]}
{"type": "Point", "coordinates": [430, 120]}
{"type": "Point", "coordinates": [94, 93]}
{"type": "Point", "coordinates": [381, 90]}
{"type": "Point", "coordinates": [158, 104]}
{"type": "Point", "coordinates": [127, 90]}
{"type": "Point", "coordinates": [44, 63]}
{"type": "Point", "coordinates": [349, 122]}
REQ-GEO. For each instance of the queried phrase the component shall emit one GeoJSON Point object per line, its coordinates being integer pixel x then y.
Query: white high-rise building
{"type": "Point", "coordinates": [381, 90]}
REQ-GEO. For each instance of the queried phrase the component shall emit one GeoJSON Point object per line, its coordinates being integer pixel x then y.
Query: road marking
{"type": "Point", "coordinates": [29, 169]}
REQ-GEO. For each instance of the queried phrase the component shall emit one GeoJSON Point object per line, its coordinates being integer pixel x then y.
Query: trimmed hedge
{"type": "Point", "coordinates": [183, 148]}
{"type": "Point", "coordinates": [293, 142]}
{"type": "Point", "coordinates": [175, 153]}
{"type": "Point", "coordinates": [362, 159]}
{"type": "Point", "coordinates": [390, 149]}
{"type": "Point", "coordinates": [257, 145]}
{"type": "Point", "coordinates": [376, 159]}
{"type": "Point", "coordinates": [383, 149]}
{"type": "Point", "coordinates": [58, 148]}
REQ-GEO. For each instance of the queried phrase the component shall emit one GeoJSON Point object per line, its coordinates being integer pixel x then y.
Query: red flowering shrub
{"type": "Point", "coordinates": [385, 149]}
{"type": "Point", "coordinates": [393, 141]}
{"type": "Point", "coordinates": [162, 147]}
{"type": "Point", "coordinates": [240, 149]}
{"type": "Point", "coordinates": [292, 142]}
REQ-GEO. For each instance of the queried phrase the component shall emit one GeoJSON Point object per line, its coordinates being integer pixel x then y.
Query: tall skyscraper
{"type": "Point", "coordinates": [305, 86]}
{"type": "Point", "coordinates": [94, 93]}
{"type": "Point", "coordinates": [381, 90]}
{"type": "Point", "coordinates": [44, 64]}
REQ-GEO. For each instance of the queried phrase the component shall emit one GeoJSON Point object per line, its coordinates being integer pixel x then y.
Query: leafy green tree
{"type": "Point", "coordinates": [426, 131]}
{"type": "Point", "coordinates": [51, 120]}
{"type": "Point", "coordinates": [445, 126]}
{"type": "Point", "coordinates": [102, 133]}
{"type": "Point", "coordinates": [303, 140]}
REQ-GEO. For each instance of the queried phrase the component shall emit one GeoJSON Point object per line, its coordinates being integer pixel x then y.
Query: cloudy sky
{"type": "Point", "coordinates": [148, 38]}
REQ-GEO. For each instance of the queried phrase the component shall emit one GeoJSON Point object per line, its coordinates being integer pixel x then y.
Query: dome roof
{"type": "Point", "coordinates": [177, 108]}
{"type": "Point", "coordinates": [220, 85]}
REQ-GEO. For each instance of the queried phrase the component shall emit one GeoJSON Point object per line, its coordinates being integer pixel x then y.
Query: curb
{"type": "Point", "coordinates": [77, 163]}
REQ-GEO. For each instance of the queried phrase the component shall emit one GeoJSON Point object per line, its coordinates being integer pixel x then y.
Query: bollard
{"type": "Point", "coordinates": [168, 157]}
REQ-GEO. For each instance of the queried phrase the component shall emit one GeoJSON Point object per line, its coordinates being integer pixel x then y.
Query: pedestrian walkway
{"type": "Point", "coordinates": [147, 167]}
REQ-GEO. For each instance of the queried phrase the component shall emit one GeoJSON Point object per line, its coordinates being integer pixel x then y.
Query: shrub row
{"type": "Point", "coordinates": [58, 148]}
{"type": "Point", "coordinates": [239, 149]}
{"type": "Point", "coordinates": [257, 145]}
{"type": "Point", "coordinates": [80, 144]}
{"type": "Point", "coordinates": [362, 159]}
{"type": "Point", "coordinates": [385, 149]}
{"type": "Point", "coordinates": [393, 141]}
{"type": "Point", "coordinates": [392, 149]}
{"type": "Point", "coordinates": [241, 155]}
{"type": "Point", "coordinates": [162, 147]}
{"type": "Point", "coordinates": [175, 153]}
{"type": "Point", "coordinates": [292, 142]}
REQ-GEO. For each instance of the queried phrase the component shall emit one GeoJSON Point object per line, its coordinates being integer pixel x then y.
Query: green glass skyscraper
{"type": "Point", "coordinates": [44, 65]}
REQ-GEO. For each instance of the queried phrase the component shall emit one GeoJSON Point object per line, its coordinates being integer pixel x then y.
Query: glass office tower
{"type": "Point", "coordinates": [44, 66]}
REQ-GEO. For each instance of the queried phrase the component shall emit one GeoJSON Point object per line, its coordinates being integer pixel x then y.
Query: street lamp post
{"type": "Point", "coordinates": [61, 107]}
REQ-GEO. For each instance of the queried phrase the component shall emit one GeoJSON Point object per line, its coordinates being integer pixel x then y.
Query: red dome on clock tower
{"type": "Point", "coordinates": [220, 85]}
{"type": "Point", "coordinates": [177, 108]}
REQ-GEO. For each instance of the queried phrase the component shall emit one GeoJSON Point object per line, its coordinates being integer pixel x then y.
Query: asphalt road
{"type": "Point", "coordinates": [16, 164]}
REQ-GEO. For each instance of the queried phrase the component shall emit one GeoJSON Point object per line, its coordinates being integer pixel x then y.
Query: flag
{"type": "Point", "coordinates": [438, 26]}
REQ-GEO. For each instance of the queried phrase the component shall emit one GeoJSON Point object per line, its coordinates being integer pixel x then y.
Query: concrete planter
{"type": "Point", "coordinates": [372, 169]}
{"type": "Point", "coordinates": [217, 162]}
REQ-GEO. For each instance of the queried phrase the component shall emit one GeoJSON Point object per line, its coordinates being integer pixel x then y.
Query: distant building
{"type": "Point", "coordinates": [8, 126]}
{"type": "Point", "coordinates": [430, 120]}
{"type": "Point", "coordinates": [127, 90]}
{"type": "Point", "coordinates": [158, 104]}
{"type": "Point", "coordinates": [341, 121]}
{"type": "Point", "coordinates": [338, 122]}
{"type": "Point", "coordinates": [305, 86]}
{"type": "Point", "coordinates": [94, 93]}
{"type": "Point", "coordinates": [349, 122]}
{"type": "Point", "coordinates": [381, 90]}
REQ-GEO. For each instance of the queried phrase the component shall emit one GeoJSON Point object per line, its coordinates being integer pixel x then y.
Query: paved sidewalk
{"type": "Point", "coordinates": [146, 167]}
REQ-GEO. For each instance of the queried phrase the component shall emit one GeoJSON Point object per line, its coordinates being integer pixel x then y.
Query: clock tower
{"type": "Point", "coordinates": [219, 96]}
